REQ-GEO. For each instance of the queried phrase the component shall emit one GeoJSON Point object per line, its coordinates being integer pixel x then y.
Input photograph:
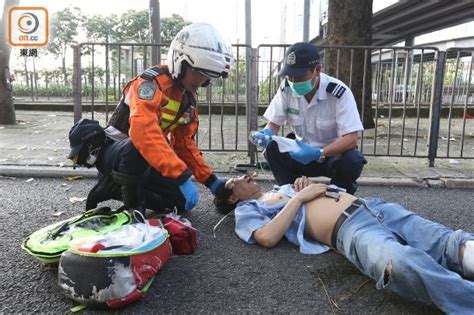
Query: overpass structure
{"type": "Point", "coordinates": [404, 20]}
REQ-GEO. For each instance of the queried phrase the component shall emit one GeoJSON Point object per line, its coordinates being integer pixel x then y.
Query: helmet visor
{"type": "Point", "coordinates": [207, 73]}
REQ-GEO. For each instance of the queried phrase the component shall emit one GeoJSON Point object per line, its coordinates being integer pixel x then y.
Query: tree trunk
{"type": "Point", "coordinates": [46, 82]}
{"type": "Point", "coordinates": [350, 24]}
{"type": "Point", "coordinates": [7, 108]}
{"type": "Point", "coordinates": [155, 31]}
{"type": "Point", "coordinates": [64, 69]}
{"type": "Point", "coordinates": [35, 80]}
{"type": "Point", "coordinates": [27, 79]}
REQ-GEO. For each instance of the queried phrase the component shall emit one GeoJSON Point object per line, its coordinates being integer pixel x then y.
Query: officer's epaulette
{"type": "Point", "coordinates": [150, 73]}
{"type": "Point", "coordinates": [335, 89]}
{"type": "Point", "coordinates": [284, 84]}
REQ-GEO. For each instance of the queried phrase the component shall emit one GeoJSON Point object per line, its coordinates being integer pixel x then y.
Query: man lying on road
{"type": "Point", "coordinates": [416, 258]}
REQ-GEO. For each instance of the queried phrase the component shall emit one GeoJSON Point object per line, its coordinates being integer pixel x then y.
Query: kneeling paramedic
{"type": "Point", "coordinates": [157, 120]}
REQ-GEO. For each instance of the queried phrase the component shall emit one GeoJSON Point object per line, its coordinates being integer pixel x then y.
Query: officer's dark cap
{"type": "Point", "coordinates": [81, 133]}
{"type": "Point", "coordinates": [299, 58]}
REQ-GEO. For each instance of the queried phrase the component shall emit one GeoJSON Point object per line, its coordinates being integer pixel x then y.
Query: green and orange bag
{"type": "Point", "coordinates": [47, 244]}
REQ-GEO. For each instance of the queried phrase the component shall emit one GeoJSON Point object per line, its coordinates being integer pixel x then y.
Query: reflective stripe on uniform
{"type": "Point", "coordinates": [169, 113]}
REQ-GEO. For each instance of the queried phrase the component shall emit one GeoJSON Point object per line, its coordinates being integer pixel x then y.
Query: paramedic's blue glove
{"type": "Point", "coordinates": [307, 154]}
{"type": "Point", "coordinates": [217, 186]}
{"type": "Point", "coordinates": [190, 193]}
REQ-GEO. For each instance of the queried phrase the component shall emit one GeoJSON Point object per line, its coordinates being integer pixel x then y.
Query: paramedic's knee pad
{"type": "Point", "coordinates": [130, 187]}
{"type": "Point", "coordinates": [190, 194]}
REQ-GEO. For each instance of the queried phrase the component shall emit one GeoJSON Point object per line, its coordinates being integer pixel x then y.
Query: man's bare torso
{"type": "Point", "coordinates": [321, 213]}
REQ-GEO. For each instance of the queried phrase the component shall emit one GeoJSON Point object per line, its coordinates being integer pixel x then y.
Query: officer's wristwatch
{"type": "Point", "coordinates": [322, 157]}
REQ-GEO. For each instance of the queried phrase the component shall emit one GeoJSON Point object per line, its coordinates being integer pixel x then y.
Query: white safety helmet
{"type": "Point", "coordinates": [201, 46]}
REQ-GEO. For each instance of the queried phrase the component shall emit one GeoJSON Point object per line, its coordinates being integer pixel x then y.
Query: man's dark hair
{"type": "Point", "coordinates": [221, 201]}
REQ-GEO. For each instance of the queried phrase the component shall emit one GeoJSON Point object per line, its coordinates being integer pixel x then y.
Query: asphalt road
{"type": "Point", "coordinates": [224, 275]}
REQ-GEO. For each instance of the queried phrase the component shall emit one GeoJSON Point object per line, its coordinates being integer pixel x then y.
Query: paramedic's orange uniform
{"type": "Point", "coordinates": [165, 142]}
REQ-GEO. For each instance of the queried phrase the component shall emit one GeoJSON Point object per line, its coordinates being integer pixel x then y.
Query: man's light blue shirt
{"type": "Point", "coordinates": [250, 215]}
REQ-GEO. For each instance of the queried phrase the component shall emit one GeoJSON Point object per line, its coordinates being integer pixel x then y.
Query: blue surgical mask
{"type": "Point", "coordinates": [301, 88]}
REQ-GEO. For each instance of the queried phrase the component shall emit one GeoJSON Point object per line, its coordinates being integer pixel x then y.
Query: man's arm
{"type": "Point", "coordinates": [270, 234]}
{"type": "Point", "coordinates": [273, 127]}
{"type": "Point", "coordinates": [185, 147]}
{"type": "Point", "coordinates": [348, 125]}
{"type": "Point", "coordinates": [342, 144]}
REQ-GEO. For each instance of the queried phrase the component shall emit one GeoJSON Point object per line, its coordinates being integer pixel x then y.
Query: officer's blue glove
{"type": "Point", "coordinates": [190, 193]}
{"type": "Point", "coordinates": [307, 154]}
{"type": "Point", "coordinates": [217, 186]}
{"type": "Point", "coordinates": [261, 138]}
{"type": "Point", "coordinates": [267, 132]}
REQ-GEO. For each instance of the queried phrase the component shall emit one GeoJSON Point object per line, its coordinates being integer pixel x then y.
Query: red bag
{"type": "Point", "coordinates": [101, 272]}
{"type": "Point", "coordinates": [182, 234]}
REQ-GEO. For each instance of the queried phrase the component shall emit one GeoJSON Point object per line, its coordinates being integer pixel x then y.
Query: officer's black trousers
{"type": "Point", "coordinates": [343, 169]}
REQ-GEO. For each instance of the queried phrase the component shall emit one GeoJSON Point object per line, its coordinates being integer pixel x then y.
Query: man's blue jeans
{"type": "Point", "coordinates": [407, 254]}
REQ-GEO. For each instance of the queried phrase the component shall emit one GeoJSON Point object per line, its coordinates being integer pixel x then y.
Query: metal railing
{"type": "Point", "coordinates": [421, 98]}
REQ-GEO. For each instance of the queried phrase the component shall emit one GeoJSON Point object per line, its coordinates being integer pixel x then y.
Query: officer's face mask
{"type": "Point", "coordinates": [301, 88]}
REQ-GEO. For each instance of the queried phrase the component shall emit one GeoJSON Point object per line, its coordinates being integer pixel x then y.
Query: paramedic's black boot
{"type": "Point", "coordinates": [154, 202]}
{"type": "Point", "coordinates": [132, 191]}
{"type": "Point", "coordinates": [105, 189]}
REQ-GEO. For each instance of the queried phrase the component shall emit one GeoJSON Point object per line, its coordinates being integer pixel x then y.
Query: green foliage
{"type": "Point", "coordinates": [125, 68]}
{"type": "Point", "coordinates": [133, 26]}
{"type": "Point", "coordinates": [452, 72]}
{"type": "Point", "coordinates": [233, 86]}
{"type": "Point", "coordinates": [64, 26]}
{"type": "Point", "coordinates": [237, 77]}
{"type": "Point", "coordinates": [98, 75]}
{"type": "Point", "coordinates": [170, 26]}
{"type": "Point", "coordinates": [58, 90]}
{"type": "Point", "coordinates": [263, 92]}
{"type": "Point", "coordinates": [99, 27]}
{"type": "Point", "coordinates": [64, 91]}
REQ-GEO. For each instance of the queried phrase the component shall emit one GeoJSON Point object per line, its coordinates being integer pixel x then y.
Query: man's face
{"type": "Point", "coordinates": [308, 75]}
{"type": "Point", "coordinates": [243, 188]}
{"type": "Point", "coordinates": [312, 75]}
{"type": "Point", "coordinates": [193, 79]}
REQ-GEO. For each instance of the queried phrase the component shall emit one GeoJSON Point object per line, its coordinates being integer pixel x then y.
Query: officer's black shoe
{"type": "Point", "coordinates": [351, 190]}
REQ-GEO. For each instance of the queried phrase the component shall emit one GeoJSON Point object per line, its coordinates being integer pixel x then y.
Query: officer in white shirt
{"type": "Point", "coordinates": [323, 116]}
